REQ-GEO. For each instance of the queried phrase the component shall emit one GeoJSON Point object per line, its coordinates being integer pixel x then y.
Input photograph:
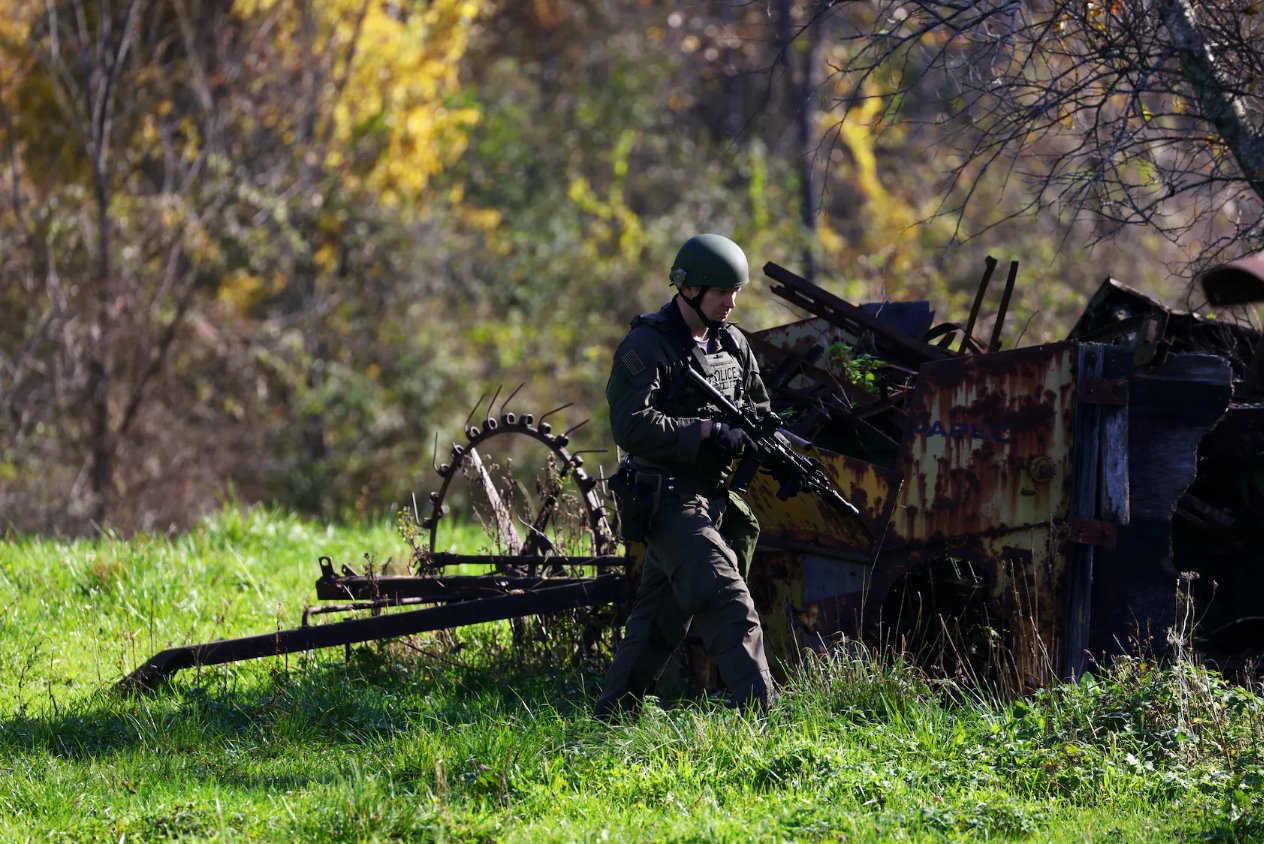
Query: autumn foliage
{"type": "Point", "coordinates": [273, 248]}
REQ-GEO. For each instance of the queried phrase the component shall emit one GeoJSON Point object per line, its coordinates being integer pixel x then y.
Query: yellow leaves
{"type": "Point", "coordinates": [173, 216]}
{"type": "Point", "coordinates": [887, 236]}
{"type": "Point", "coordinates": [186, 138]}
{"type": "Point", "coordinates": [149, 131]}
{"type": "Point", "coordinates": [758, 187]}
{"type": "Point", "coordinates": [15, 21]}
{"type": "Point", "coordinates": [405, 70]}
{"type": "Point", "coordinates": [241, 290]}
{"type": "Point", "coordinates": [581, 194]}
{"type": "Point", "coordinates": [326, 258]}
{"type": "Point", "coordinates": [857, 132]}
{"type": "Point", "coordinates": [614, 217]}
{"type": "Point", "coordinates": [484, 219]}
{"type": "Point", "coordinates": [1097, 13]}
{"type": "Point", "coordinates": [830, 239]}
{"type": "Point", "coordinates": [192, 135]}
{"type": "Point", "coordinates": [387, 75]}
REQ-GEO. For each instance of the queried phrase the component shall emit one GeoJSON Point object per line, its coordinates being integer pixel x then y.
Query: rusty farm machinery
{"type": "Point", "coordinates": [1024, 511]}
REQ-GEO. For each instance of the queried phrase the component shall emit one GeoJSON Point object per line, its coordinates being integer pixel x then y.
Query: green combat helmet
{"type": "Point", "coordinates": [710, 260]}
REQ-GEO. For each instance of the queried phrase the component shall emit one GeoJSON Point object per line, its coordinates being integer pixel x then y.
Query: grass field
{"type": "Point", "coordinates": [454, 740]}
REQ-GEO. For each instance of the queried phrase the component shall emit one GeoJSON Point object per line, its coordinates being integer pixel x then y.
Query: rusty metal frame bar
{"type": "Point", "coordinates": [528, 561]}
{"type": "Point", "coordinates": [604, 589]}
{"type": "Point", "coordinates": [435, 589]}
{"type": "Point", "coordinates": [799, 291]}
{"type": "Point", "coordinates": [968, 335]}
{"type": "Point", "coordinates": [994, 344]}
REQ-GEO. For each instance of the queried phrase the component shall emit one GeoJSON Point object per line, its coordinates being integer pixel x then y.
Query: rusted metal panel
{"type": "Point", "coordinates": [805, 340]}
{"type": "Point", "coordinates": [1086, 531]}
{"type": "Point", "coordinates": [988, 444]}
{"type": "Point", "coordinates": [806, 522]}
{"type": "Point", "coordinates": [804, 332]}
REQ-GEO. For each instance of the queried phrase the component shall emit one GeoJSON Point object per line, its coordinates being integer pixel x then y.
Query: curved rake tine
{"type": "Point", "coordinates": [569, 430]}
{"type": "Point", "coordinates": [506, 402]}
{"type": "Point", "coordinates": [555, 410]}
{"type": "Point", "coordinates": [491, 405]}
{"type": "Point", "coordinates": [474, 410]}
{"type": "Point", "coordinates": [434, 454]}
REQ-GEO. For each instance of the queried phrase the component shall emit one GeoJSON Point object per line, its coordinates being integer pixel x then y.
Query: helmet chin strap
{"type": "Point", "coordinates": [696, 304]}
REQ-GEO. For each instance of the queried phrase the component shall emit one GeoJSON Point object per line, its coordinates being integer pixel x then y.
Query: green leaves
{"type": "Point", "coordinates": [856, 368]}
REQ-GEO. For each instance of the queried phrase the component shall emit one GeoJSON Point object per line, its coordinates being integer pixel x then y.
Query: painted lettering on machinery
{"type": "Point", "coordinates": [984, 431]}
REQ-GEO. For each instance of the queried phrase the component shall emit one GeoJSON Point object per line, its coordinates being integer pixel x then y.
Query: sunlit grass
{"type": "Point", "coordinates": [455, 739]}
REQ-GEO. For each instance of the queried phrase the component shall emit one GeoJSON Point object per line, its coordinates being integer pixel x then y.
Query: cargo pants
{"type": "Point", "coordinates": [699, 550]}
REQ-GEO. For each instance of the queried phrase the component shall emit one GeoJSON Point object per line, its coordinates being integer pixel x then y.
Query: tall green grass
{"type": "Point", "coordinates": [456, 739]}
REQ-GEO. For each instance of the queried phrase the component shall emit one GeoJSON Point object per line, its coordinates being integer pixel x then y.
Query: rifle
{"type": "Point", "coordinates": [793, 471]}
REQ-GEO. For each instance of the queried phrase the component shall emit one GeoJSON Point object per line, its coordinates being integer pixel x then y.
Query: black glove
{"type": "Point", "coordinates": [726, 439]}
{"type": "Point", "coordinates": [789, 484]}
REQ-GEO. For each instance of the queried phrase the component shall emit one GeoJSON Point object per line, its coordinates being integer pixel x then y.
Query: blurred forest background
{"type": "Point", "coordinates": [268, 248]}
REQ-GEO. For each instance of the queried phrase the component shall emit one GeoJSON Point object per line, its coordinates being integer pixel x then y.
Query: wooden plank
{"type": "Point", "coordinates": [1115, 491]}
{"type": "Point", "coordinates": [1084, 491]}
{"type": "Point", "coordinates": [504, 519]}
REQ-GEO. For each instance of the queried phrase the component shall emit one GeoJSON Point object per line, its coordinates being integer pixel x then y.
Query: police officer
{"type": "Point", "coordinates": [700, 535]}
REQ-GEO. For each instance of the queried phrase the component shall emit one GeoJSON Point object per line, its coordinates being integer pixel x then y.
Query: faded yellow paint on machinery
{"type": "Point", "coordinates": [805, 522]}
{"type": "Point", "coordinates": [982, 478]}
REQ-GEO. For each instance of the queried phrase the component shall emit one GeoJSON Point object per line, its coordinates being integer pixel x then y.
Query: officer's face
{"type": "Point", "coordinates": [717, 304]}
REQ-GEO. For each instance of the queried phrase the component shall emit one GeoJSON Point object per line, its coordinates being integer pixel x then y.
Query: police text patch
{"type": "Point", "coordinates": [633, 362]}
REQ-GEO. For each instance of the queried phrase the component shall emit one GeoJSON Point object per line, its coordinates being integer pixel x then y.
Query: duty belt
{"type": "Point", "coordinates": [662, 482]}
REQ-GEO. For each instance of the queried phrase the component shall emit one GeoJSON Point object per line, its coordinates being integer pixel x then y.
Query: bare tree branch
{"type": "Point", "coordinates": [1138, 112]}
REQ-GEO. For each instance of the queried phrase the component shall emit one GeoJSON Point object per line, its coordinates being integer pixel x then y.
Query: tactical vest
{"type": "Point", "coordinates": [723, 368]}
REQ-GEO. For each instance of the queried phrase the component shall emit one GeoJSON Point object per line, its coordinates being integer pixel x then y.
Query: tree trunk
{"type": "Point", "coordinates": [808, 82]}
{"type": "Point", "coordinates": [102, 446]}
{"type": "Point", "coordinates": [1216, 103]}
{"type": "Point", "coordinates": [107, 58]}
{"type": "Point", "coordinates": [802, 76]}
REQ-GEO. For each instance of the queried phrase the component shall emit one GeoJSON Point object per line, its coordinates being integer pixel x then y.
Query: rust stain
{"type": "Point", "coordinates": [977, 427]}
{"type": "Point", "coordinates": [806, 520]}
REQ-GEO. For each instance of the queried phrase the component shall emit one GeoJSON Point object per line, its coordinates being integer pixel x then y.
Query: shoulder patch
{"type": "Point", "coordinates": [632, 361]}
{"type": "Point", "coordinates": [654, 318]}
